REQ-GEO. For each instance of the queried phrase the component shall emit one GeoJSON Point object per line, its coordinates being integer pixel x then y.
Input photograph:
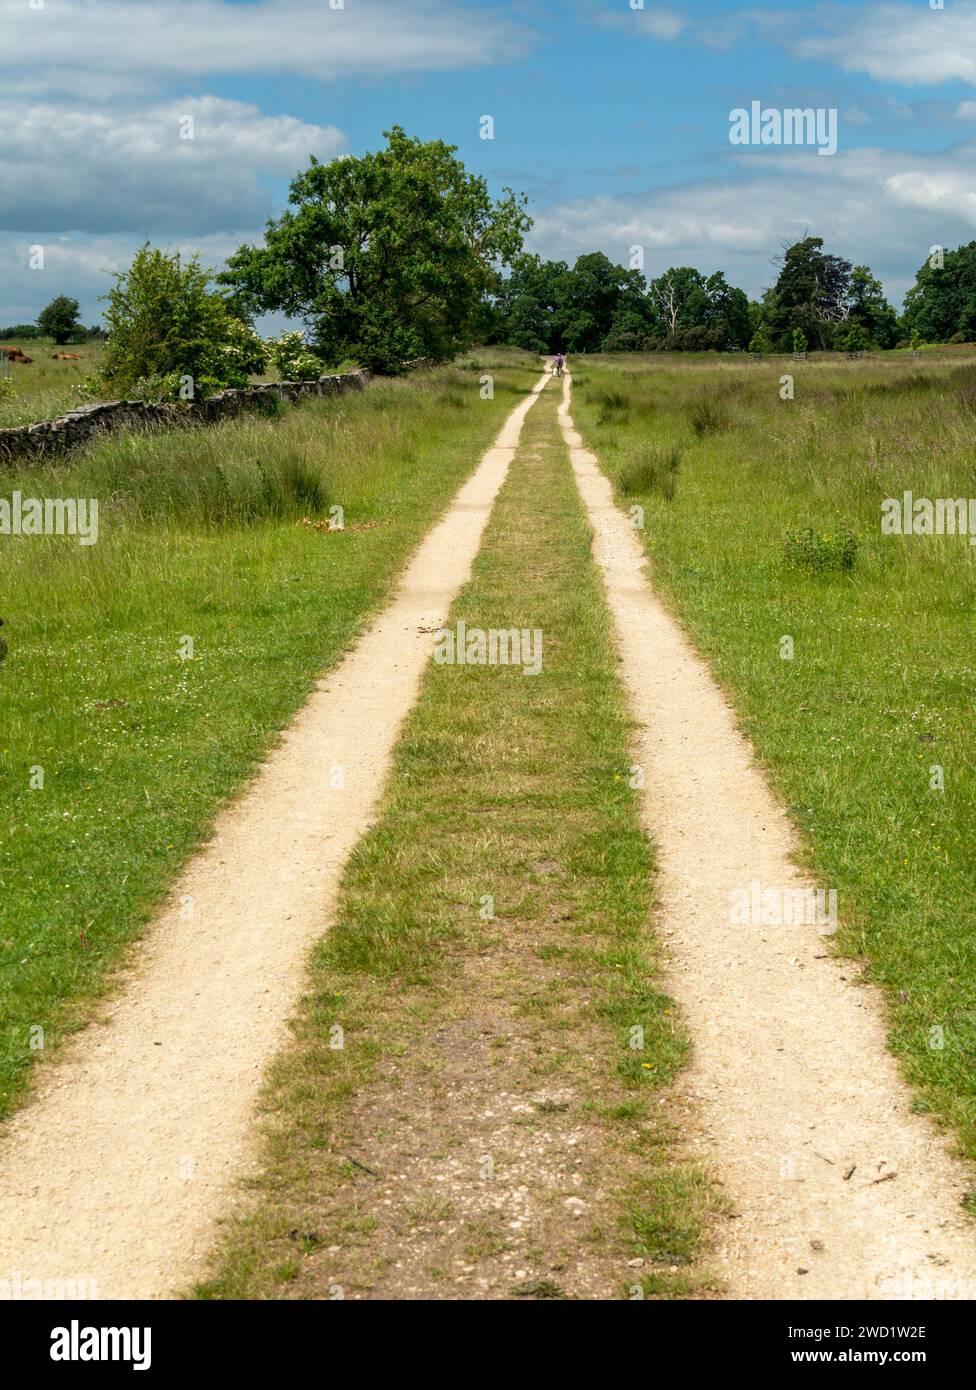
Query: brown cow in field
{"type": "Point", "coordinates": [14, 354]}
{"type": "Point", "coordinates": [65, 356]}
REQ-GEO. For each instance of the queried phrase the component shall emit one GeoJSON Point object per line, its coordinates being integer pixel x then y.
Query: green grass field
{"type": "Point", "coordinates": [44, 389]}
{"type": "Point", "coordinates": [201, 536]}
{"type": "Point", "coordinates": [879, 693]}
{"type": "Point", "coordinates": [844, 651]}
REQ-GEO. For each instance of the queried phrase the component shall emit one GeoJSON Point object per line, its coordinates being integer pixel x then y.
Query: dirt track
{"type": "Point", "coordinates": [114, 1173]}
{"type": "Point", "coordinates": [837, 1189]}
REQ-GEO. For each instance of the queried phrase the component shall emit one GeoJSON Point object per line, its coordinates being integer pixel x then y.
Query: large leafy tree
{"type": "Point", "coordinates": [596, 298]}
{"type": "Point", "coordinates": [679, 299]}
{"type": "Point", "coordinates": [869, 310]}
{"type": "Point", "coordinates": [632, 330]}
{"type": "Point", "coordinates": [942, 301]}
{"type": "Point", "coordinates": [728, 313]}
{"type": "Point", "coordinates": [811, 293]}
{"type": "Point", "coordinates": [386, 257]}
{"type": "Point", "coordinates": [545, 306]}
{"type": "Point", "coordinates": [529, 304]}
{"type": "Point", "coordinates": [60, 320]}
{"type": "Point", "coordinates": [697, 313]}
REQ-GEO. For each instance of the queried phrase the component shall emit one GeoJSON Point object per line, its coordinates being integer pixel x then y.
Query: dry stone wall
{"type": "Point", "coordinates": [25, 442]}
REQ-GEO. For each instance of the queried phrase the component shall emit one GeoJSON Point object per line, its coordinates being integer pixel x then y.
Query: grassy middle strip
{"type": "Point", "coordinates": [476, 1103]}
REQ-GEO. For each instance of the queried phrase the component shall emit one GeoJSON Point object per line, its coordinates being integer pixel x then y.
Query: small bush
{"type": "Point", "coordinates": [655, 470]}
{"type": "Point", "coordinates": [822, 552]}
{"type": "Point", "coordinates": [171, 386]}
{"type": "Point", "coordinates": [856, 340]}
{"type": "Point", "coordinates": [84, 392]}
{"type": "Point", "coordinates": [169, 333]}
{"type": "Point", "coordinates": [293, 357]}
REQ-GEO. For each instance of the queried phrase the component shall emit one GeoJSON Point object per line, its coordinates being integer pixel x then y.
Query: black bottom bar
{"type": "Point", "coordinates": [333, 1338]}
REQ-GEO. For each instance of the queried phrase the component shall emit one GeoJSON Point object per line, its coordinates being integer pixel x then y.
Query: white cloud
{"type": "Point", "coordinates": [68, 42]}
{"type": "Point", "coordinates": [660, 24]}
{"type": "Point", "coordinates": [907, 43]}
{"type": "Point", "coordinates": [91, 163]}
{"type": "Point", "coordinates": [667, 25]}
{"type": "Point", "coordinates": [119, 168]}
{"type": "Point", "coordinates": [937, 191]}
{"type": "Point", "coordinates": [911, 44]}
{"type": "Point", "coordinates": [872, 206]}
{"type": "Point", "coordinates": [83, 267]}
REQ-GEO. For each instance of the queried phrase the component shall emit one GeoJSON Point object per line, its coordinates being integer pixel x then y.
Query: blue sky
{"type": "Point", "coordinates": [615, 122]}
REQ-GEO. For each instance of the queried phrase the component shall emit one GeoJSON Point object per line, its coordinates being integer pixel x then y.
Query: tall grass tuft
{"type": "Point", "coordinates": [652, 470]}
{"type": "Point", "coordinates": [614, 407]}
{"type": "Point", "coordinates": [822, 552]}
{"type": "Point", "coordinates": [709, 417]}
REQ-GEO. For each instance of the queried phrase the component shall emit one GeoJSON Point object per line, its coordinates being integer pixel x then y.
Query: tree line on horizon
{"type": "Point", "coordinates": [401, 254]}
{"type": "Point", "coordinates": [818, 301]}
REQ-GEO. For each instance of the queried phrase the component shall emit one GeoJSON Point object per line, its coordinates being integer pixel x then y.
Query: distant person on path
{"type": "Point", "coordinates": [559, 364]}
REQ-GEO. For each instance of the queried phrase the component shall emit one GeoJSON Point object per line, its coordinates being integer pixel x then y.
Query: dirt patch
{"type": "Point", "coordinates": [482, 1171]}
